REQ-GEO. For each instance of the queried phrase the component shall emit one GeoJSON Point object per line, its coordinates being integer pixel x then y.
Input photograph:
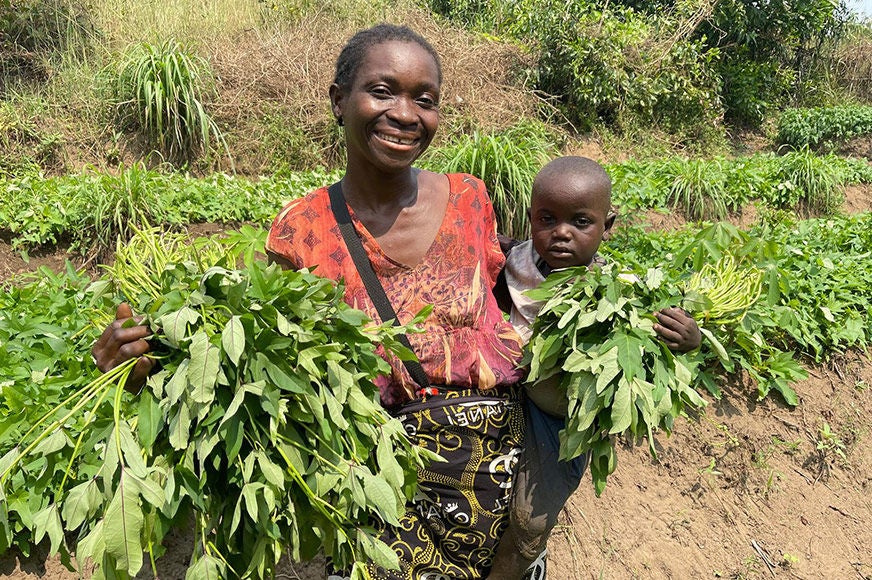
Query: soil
{"type": "Point", "coordinates": [747, 489]}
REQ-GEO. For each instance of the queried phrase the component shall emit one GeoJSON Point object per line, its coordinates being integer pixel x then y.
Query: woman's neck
{"type": "Point", "coordinates": [378, 192]}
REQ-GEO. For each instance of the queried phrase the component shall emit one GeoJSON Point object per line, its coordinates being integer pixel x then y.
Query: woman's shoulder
{"type": "Point", "coordinates": [310, 204]}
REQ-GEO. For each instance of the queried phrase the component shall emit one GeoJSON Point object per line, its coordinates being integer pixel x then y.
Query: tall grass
{"type": "Point", "coordinates": [161, 90]}
{"type": "Point", "coordinates": [121, 205]}
{"type": "Point", "coordinates": [506, 161]}
{"type": "Point", "coordinates": [699, 187]}
{"type": "Point", "coordinates": [199, 23]}
{"type": "Point", "coordinates": [817, 180]}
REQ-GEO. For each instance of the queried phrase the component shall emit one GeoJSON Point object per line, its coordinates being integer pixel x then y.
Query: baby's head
{"type": "Point", "coordinates": [570, 211]}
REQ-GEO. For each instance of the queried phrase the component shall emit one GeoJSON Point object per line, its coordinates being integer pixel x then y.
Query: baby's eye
{"type": "Point", "coordinates": [581, 222]}
{"type": "Point", "coordinates": [546, 220]}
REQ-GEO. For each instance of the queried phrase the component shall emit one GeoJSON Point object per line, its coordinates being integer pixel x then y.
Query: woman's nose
{"type": "Point", "coordinates": [403, 111]}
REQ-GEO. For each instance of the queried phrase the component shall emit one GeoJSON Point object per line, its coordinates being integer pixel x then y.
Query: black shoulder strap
{"type": "Point", "coordinates": [370, 280]}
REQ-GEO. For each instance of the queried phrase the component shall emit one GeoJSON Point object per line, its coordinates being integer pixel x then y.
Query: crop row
{"type": "Point", "coordinates": [823, 126]}
{"type": "Point", "coordinates": [91, 210]}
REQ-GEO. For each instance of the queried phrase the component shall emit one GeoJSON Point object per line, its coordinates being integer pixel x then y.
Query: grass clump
{"type": "Point", "coordinates": [507, 161]}
{"type": "Point", "coordinates": [698, 187]}
{"type": "Point", "coordinates": [161, 91]}
{"type": "Point", "coordinates": [817, 182]}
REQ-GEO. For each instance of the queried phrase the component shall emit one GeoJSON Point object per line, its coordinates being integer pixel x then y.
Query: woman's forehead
{"type": "Point", "coordinates": [398, 57]}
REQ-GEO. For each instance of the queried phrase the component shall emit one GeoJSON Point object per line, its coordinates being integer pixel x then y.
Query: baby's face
{"type": "Point", "coordinates": [569, 218]}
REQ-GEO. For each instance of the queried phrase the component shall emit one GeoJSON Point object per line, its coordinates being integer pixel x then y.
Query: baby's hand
{"type": "Point", "coordinates": [677, 329]}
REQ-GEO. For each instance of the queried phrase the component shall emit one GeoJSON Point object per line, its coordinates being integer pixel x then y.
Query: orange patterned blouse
{"type": "Point", "coordinates": [467, 343]}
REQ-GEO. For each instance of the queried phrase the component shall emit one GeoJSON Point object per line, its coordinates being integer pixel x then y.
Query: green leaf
{"type": "Point", "coordinates": [621, 414]}
{"type": "Point", "coordinates": [203, 370]}
{"type": "Point", "coordinates": [381, 496]}
{"type": "Point", "coordinates": [377, 551]}
{"type": "Point", "coordinates": [150, 421]}
{"type": "Point", "coordinates": [175, 324]}
{"type": "Point", "coordinates": [271, 471]}
{"type": "Point", "coordinates": [48, 521]}
{"type": "Point", "coordinates": [123, 524]}
{"type": "Point", "coordinates": [206, 568]}
{"type": "Point", "coordinates": [81, 503]}
{"type": "Point", "coordinates": [233, 339]}
{"type": "Point", "coordinates": [130, 450]}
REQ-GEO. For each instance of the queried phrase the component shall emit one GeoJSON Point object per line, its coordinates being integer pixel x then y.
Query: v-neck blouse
{"type": "Point", "coordinates": [466, 341]}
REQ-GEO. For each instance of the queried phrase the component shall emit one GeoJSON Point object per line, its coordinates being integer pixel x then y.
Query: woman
{"type": "Point", "coordinates": [431, 239]}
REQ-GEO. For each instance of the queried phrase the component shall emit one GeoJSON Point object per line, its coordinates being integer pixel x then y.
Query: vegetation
{"type": "Point", "coordinates": [822, 127]}
{"type": "Point", "coordinates": [670, 82]}
{"type": "Point", "coordinates": [262, 451]}
{"type": "Point", "coordinates": [506, 161]}
{"type": "Point", "coordinates": [92, 210]}
{"type": "Point", "coordinates": [160, 89]}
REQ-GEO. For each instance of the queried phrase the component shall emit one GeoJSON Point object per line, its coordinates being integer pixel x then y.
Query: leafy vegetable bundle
{"type": "Point", "coordinates": [262, 427]}
{"type": "Point", "coordinates": [596, 331]}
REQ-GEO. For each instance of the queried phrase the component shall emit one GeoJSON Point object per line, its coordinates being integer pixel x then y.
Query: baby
{"type": "Point", "coordinates": [570, 215]}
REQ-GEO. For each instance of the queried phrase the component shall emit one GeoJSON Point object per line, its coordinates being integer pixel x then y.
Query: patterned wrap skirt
{"type": "Point", "coordinates": [452, 525]}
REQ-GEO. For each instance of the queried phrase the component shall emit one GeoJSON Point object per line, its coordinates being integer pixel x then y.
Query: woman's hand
{"type": "Point", "coordinates": [677, 329]}
{"type": "Point", "coordinates": [120, 343]}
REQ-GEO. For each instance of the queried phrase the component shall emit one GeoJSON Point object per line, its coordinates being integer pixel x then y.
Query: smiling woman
{"type": "Point", "coordinates": [431, 240]}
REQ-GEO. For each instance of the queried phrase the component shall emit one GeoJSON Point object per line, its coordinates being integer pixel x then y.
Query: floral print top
{"type": "Point", "coordinates": [467, 342]}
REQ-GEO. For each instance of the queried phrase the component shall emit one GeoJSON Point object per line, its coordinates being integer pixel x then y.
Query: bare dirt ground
{"type": "Point", "coordinates": [745, 490]}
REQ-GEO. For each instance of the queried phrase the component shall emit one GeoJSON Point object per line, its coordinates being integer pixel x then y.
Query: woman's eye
{"type": "Point", "coordinates": [427, 102]}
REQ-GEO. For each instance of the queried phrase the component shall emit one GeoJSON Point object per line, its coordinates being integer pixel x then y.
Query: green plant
{"type": "Point", "coordinates": [823, 126]}
{"type": "Point", "coordinates": [829, 443]}
{"type": "Point", "coordinates": [161, 90]}
{"type": "Point", "coordinates": [263, 427]}
{"type": "Point", "coordinates": [815, 179]}
{"type": "Point", "coordinates": [595, 333]}
{"type": "Point", "coordinates": [506, 161]}
{"type": "Point", "coordinates": [698, 188]}
{"type": "Point", "coordinates": [789, 560]}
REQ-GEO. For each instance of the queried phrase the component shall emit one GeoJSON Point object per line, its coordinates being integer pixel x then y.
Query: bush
{"type": "Point", "coordinates": [823, 126]}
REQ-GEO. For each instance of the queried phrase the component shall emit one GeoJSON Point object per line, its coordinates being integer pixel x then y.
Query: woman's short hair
{"type": "Point", "coordinates": [358, 45]}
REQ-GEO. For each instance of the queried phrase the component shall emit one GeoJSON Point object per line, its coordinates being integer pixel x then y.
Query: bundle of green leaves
{"type": "Point", "coordinates": [262, 428]}
{"type": "Point", "coordinates": [595, 330]}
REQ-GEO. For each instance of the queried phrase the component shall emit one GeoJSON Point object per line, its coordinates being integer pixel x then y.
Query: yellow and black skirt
{"type": "Point", "coordinates": [451, 527]}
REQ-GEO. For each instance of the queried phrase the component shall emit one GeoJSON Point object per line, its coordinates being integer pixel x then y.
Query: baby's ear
{"type": "Point", "coordinates": [610, 221]}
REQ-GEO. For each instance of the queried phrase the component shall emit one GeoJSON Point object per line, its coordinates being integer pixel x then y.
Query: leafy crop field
{"type": "Point", "coordinates": [126, 131]}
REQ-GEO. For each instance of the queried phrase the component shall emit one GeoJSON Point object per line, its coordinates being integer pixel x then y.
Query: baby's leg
{"type": "Point", "coordinates": [541, 487]}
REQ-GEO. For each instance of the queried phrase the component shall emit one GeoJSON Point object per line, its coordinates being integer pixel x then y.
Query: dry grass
{"type": "Point", "coordinates": [288, 69]}
{"type": "Point", "coordinates": [853, 62]}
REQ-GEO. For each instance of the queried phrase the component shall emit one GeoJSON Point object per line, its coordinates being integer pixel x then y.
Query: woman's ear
{"type": "Point", "coordinates": [336, 97]}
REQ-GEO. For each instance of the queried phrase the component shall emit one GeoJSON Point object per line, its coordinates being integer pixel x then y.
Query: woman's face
{"type": "Point", "coordinates": [391, 110]}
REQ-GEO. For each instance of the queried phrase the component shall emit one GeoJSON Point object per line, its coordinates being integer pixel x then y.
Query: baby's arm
{"type": "Point", "coordinates": [677, 329]}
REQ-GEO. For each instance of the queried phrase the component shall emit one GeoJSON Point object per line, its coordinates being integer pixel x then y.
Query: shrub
{"type": "Point", "coordinates": [160, 90]}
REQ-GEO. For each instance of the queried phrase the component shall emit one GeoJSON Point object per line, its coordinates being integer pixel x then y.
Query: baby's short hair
{"type": "Point", "coordinates": [573, 167]}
